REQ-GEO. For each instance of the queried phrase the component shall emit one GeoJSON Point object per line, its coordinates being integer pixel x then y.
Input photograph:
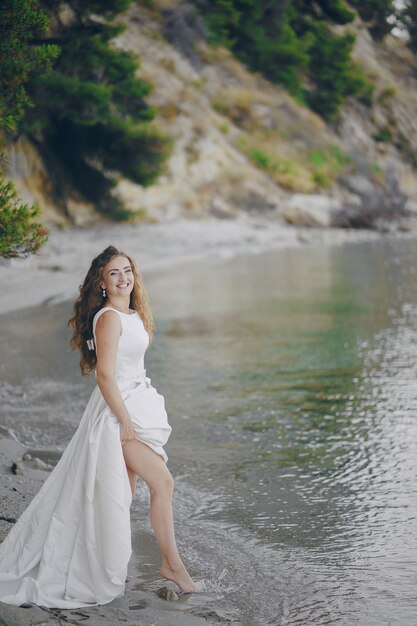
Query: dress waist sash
{"type": "Point", "coordinates": [135, 377]}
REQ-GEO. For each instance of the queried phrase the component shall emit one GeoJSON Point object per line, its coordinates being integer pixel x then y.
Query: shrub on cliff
{"type": "Point", "coordinates": [332, 73]}
{"type": "Point", "coordinates": [292, 44]}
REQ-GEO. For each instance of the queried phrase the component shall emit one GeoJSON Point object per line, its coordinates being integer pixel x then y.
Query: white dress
{"type": "Point", "coordinates": [71, 546]}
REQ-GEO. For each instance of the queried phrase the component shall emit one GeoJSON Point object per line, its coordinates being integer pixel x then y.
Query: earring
{"type": "Point", "coordinates": [104, 292]}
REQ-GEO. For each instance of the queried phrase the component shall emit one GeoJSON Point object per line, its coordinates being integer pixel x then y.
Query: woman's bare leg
{"type": "Point", "coordinates": [132, 480]}
{"type": "Point", "coordinates": [150, 466]}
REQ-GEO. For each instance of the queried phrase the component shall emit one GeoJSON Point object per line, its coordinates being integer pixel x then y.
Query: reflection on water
{"type": "Point", "coordinates": [290, 381]}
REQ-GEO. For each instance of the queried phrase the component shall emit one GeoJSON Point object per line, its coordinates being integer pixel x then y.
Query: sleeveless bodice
{"type": "Point", "coordinates": [133, 343]}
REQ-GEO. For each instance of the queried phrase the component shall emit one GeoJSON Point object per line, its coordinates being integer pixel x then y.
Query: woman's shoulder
{"type": "Point", "coordinates": [103, 310]}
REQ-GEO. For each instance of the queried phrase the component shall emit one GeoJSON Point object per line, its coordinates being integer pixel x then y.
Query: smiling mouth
{"type": "Point", "coordinates": [123, 285]}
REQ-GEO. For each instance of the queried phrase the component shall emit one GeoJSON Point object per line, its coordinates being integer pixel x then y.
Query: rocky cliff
{"type": "Point", "coordinates": [242, 146]}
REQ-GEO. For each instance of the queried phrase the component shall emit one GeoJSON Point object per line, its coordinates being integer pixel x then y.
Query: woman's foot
{"type": "Point", "coordinates": [179, 576]}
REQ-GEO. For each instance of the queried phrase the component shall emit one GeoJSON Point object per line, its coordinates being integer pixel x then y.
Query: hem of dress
{"type": "Point", "coordinates": [163, 454]}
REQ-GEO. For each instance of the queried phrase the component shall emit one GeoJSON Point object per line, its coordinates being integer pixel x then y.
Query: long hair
{"type": "Point", "coordinates": [91, 300]}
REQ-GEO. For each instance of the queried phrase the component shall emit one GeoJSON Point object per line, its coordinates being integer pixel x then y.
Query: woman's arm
{"type": "Point", "coordinates": [108, 330]}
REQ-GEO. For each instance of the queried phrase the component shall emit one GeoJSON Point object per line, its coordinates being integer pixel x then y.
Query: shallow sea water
{"type": "Point", "coordinates": [290, 379]}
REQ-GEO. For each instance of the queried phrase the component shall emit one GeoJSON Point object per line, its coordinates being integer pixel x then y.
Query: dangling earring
{"type": "Point", "coordinates": [104, 292]}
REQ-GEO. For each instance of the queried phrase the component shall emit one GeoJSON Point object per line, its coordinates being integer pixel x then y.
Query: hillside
{"type": "Point", "coordinates": [242, 146]}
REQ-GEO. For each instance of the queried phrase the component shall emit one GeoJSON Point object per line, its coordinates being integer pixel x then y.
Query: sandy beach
{"type": "Point", "coordinates": [53, 276]}
{"type": "Point", "coordinates": [56, 271]}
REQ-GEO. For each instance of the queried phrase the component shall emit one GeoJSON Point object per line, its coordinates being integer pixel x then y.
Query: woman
{"type": "Point", "coordinates": [71, 546]}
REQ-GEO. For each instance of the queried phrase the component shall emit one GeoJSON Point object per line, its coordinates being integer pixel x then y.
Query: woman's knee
{"type": "Point", "coordinates": [165, 485]}
{"type": "Point", "coordinates": [168, 482]}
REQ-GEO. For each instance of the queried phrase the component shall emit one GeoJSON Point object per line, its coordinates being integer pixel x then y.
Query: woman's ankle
{"type": "Point", "coordinates": [175, 565]}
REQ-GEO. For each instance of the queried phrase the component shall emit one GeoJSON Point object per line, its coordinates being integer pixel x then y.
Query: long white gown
{"type": "Point", "coordinates": [71, 546]}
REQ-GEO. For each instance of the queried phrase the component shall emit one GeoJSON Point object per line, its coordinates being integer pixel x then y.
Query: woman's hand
{"type": "Point", "coordinates": [127, 432]}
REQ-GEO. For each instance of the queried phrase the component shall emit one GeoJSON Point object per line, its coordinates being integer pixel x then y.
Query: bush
{"type": "Point", "coordinates": [384, 135]}
{"type": "Point", "coordinates": [20, 234]}
{"type": "Point", "coordinates": [291, 44]}
{"type": "Point", "coordinates": [327, 165]}
{"type": "Point", "coordinates": [334, 75]}
{"type": "Point", "coordinates": [386, 95]}
{"type": "Point", "coordinates": [304, 172]}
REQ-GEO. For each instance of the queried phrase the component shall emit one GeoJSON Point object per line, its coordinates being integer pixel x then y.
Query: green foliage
{"type": "Point", "coordinates": [386, 95]}
{"type": "Point", "coordinates": [262, 160]}
{"type": "Point", "coordinates": [327, 165]}
{"type": "Point", "coordinates": [90, 111]}
{"type": "Point", "coordinates": [384, 135]}
{"type": "Point", "coordinates": [285, 170]}
{"type": "Point", "coordinates": [261, 36]}
{"type": "Point", "coordinates": [300, 171]}
{"type": "Point", "coordinates": [20, 234]}
{"type": "Point", "coordinates": [110, 145]}
{"type": "Point", "coordinates": [21, 23]}
{"type": "Point", "coordinates": [333, 157]}
{"type": "Point", "coordinates": [408, 17]}
{"type": "Point", "coordinates": [376, 168]}
{"type": "Point", "coordinates": [335, 10]}
{"type": "Point", "coordinates": [384, 15]}
{"type": "Point", "coordinates": [334, 75]}
{"type": "Point", "coordinates": [224, 19]}
{"type": "Point", "coordinates": [377, 14]}
{"type": "Point", "coordinates": [292, 44]}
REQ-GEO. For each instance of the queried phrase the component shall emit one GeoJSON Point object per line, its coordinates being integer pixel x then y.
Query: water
{"type": "Point", "coordinates": [290, 381]}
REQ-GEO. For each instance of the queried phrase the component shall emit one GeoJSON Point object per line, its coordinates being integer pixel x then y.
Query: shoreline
{"type": "Point", "coordinates": [53, 275]}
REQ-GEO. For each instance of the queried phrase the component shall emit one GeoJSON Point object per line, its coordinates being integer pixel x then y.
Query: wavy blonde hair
{"type": "Point", "coordinates": [91, 300]}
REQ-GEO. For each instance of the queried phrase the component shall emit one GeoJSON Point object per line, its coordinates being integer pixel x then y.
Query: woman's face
{"type": "Point", "coordinates": [118, 279]}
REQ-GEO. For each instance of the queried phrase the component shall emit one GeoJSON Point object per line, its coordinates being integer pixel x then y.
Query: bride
{"type": "Point", "coordinates": [71, 546]}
